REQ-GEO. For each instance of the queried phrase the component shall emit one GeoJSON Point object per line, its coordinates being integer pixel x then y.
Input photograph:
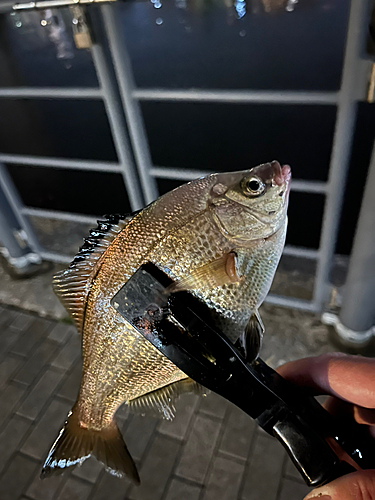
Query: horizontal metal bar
{"type": "Point", "coordinates": [42, 161]}
{"type": "Point", "coordinates": [276, 300]}
{"type": "Point", "coordinates": [306, 253]}
{"type": "Point", "coordinates": [159, 172]}
{"type": "Point", "coordinates": [49, 4]}
{"type": "Point", "coordinates": [51, 93]}
{"type": "Point", "coordinates": [303, 305]}
{"type": "Point", "coordinates": [57, 215]}
{"type": "Point", "coordinates": [294, 251]}
{"type": "Point", "coordinates": [44, 4]}
{"type": "Point", "coordinates": [237, 96]}
{"type": "Point", "coordinates": [56, 257]}
{"type": "Point", "coordinates": [183, 174]}
{"type": "Point", "coordinates": [304, 186]}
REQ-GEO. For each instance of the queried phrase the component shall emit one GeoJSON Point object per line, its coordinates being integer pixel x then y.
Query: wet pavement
{"type": "Point", "coordinates": [211, 450]}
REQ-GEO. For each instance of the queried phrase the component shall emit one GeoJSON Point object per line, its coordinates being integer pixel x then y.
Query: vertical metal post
{"type": "Point", "coordinates": [132, 110]}
{"type": "Point", "coordinates": [358, 304]}
{"type": "Point", "coordinates": [16, 204]}
{"type": "Point", "coordinates": [342, 143]}
{"type": "Point", "coordinates": [9, 228]}
{"type": "Point", "coordinates": [118, 128]}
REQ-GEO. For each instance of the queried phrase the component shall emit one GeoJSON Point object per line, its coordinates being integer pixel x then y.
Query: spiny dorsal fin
{"type": "Point", "coordinates": [161, 402]}
{"type": "Point", "coordinates": [72, 285]}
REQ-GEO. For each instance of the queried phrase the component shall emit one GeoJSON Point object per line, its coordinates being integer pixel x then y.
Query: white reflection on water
{"type": "Point", "coordinates": [291, 5]}
{"type": "Point", "coordinates": [181, 4]}
{"type": "Point", "coordinates": [157, 4]}
{"type": "Point", "coordinates": [159, 21]}
{"type": "Point", "coordinates": [40, 28]}
{"type": "Point", "coordinates": [57, 33]}
{"type": "Point", "coordinates": [240, 6]}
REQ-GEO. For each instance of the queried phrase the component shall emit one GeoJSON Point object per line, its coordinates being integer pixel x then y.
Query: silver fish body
{"type": "Point", "coordinates": [220, 237]}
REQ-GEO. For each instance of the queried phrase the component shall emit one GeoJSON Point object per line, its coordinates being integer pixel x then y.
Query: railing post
{"type": "Point", "coordinates": [359, 19]}
{"type": "Point", "coordinates": [355, 324]}
{"type": "Point", "coordinates": [20, 260]}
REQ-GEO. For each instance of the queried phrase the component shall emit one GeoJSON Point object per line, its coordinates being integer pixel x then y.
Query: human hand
{"type": "Point", "coordinates": [350, 382]}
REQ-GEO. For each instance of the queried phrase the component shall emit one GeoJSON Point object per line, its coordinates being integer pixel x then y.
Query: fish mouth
{"type": "Point", "coordinates": [281, 174]}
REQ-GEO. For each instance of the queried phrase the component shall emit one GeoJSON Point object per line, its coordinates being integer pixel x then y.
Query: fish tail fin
{"type": "Point", "coordinates": [75, 444]}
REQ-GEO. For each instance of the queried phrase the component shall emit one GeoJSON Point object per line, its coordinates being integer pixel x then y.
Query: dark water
{"type": "Point", "coordinates": [181, 45]}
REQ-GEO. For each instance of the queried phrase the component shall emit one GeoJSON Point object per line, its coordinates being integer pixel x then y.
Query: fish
{"type": "Point", "coordinates": [219, 237]}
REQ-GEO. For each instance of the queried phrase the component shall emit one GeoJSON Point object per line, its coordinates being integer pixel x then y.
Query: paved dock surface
{"type": "Point", "coordinates": [210, 451]}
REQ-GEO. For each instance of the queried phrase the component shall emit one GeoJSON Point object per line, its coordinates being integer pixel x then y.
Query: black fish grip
{"type": "Point", "coordinates": [178, 325]}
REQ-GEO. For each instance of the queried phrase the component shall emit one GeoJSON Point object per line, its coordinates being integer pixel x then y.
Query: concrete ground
{"type": "Point", "coordinates": [210, 451]}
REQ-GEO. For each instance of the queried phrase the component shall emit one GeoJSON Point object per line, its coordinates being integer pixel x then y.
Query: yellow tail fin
{"type": "Point", "coordinates": [75, 444]}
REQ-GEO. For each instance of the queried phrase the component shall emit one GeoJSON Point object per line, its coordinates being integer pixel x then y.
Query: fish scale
{"type": "Point", "coordinates": [217, 238]}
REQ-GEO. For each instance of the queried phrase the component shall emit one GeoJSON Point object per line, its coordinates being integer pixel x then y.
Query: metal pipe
{"type": "Point", "coordinates": [9, 228]}
{"type": "Point", "coordinates": [237, 96]}
{"type": "Point", "coordinates": [56, 257]}
{"type": "Point", "coordinates": [7, 6]}
{"type": "Point", "coordinates": [16, 204]}
{"type": "Point", "coordinates": [20, 260]}
{"type": "Point", "coordinates": [122, 65]}
{"type": "Point", "coordinates": [306, 253]}
{"type": "Point", "coordinates": [358, 302]}
{"type": "Point", "coordinates": [342, 142]}
{"type": "Point", "coordinates": [302, 252]}
{"type": "Point", "coordinates": [185, 174]}
{"type": "Point", "coordinates": [40, 161]}
{"type": "Point", "coordinates": [116, 121]}
{"type": "Point", "coordinates": [304, 305]}
{"type": "Point", "coordinates": [57, 215]}
{"type": "Point", "coordinates": [48, 93]}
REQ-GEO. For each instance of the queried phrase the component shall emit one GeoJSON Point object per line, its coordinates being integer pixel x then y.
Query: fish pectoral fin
{"type": "Point", "coordinates": [160, 403]}
{"type": "Point", "coordinates": [251, 340]}
{"type": "Point", "coordinates": [218, 272]}
{"type": "Point", "coordinates": [76, 443]}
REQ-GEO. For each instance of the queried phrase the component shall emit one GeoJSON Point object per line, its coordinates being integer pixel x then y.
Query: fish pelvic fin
{"type": "Point", "coordinates": [76, 443]}
{"type": "Point", "coordinates": [250, 341]}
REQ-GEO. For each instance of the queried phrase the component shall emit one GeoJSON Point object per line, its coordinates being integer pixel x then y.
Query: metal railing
{"type": "Point", "coordinates": [121, 99]}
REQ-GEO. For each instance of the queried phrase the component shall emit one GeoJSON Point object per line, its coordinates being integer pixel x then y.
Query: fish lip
{"type": "Point", "coordinates": [281, 174]}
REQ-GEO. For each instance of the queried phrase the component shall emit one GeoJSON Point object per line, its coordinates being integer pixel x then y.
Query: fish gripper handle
{"type": "Point", "coordinates": [311, 454]}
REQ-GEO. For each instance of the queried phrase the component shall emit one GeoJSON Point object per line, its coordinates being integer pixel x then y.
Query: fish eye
{"type": "Point", "coordinates": [253, 186]}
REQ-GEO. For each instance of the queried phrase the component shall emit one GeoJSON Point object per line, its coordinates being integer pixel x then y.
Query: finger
{"type": "Point", "coordinates": [351, 378]}
{"type": "Point", "coordinates": [364, 415]}
{"type": "Point", "coordinates": [355, 486]}
{"type": "Point", "coordinates": [338, 407]}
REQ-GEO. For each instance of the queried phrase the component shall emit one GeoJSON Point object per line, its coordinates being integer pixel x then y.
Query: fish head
{"type": "Point", "coordinates": [251, 204]}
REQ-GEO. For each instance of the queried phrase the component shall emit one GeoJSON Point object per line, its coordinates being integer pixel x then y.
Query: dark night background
{"type": "Point", "coordinates": [200, 45]}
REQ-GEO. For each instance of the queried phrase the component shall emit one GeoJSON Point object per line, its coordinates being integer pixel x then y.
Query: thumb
{"type": "Point", "coordinates": [355, 486]}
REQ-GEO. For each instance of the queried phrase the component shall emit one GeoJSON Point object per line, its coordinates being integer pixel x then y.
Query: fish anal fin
{"type": "Point", "coordinates": [76, 443]}
{"type": "Point", "coordinates": [161, 402]}
{"type": "Point", "coordinates": [221, 271]}
{"type": "Point", "coordinates": [251, 340]}
{"type": "Point", "coordinates": [72, 285]}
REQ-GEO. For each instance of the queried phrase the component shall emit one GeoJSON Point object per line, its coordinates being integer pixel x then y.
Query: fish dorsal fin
{"type": "Point", "coordinates": [161, 402]}
{"type": "Point", "coordinates": [72, 285]}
